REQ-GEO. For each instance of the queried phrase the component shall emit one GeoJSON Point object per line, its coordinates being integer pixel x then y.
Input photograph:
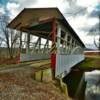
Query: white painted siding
{"type": "Point", "coordinates": [65, 62]}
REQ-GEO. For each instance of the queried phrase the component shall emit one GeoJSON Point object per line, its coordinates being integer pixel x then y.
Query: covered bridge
{"type": "Point", "coordinates": [63, 47]}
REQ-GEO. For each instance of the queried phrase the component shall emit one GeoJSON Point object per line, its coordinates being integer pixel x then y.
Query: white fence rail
{"type": "Point", "coordinates": [29, 57]}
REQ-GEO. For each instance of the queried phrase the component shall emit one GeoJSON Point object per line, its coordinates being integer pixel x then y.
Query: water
{"type": "Point", "coordinates": [92, 91]}
{"type": "Point", "coordinates": [75, 84]}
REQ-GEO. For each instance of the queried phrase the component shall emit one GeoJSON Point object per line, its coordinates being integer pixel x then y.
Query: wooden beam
{"type": "Point", "coordinates": [37, 33]}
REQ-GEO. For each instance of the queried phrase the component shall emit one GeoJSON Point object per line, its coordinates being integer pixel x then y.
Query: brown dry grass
{"type": "Point", "coordinates": [8, 61]}
{"type": "Point", "coordinates": [19, 85]}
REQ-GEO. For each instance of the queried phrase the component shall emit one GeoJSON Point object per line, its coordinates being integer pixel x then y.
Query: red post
{"type": "Point", "coordinates": [53, 48]}
{"type": "Point", "coordinates": [18, 57]}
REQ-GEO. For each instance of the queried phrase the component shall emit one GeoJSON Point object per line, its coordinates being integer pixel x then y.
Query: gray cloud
{"type": "Point", "coordinates": [2, 10]}
{"type": "Point", "coordinates": [71, 2]}
{"type": "Point", "coordinates": [91, 46]}
{"type": "Point", "coordinates": [74, 9]}
{"type": "Point", "coordinates": [96, 11]}
{"type": "Point", "coordinates": [24, 2]}
{"type": "Point", "coordinates": [13, 7]}
{"type": "Point", "coordinates": [85, 29]}
{"type": "Point", "coordinates": [94, 30]}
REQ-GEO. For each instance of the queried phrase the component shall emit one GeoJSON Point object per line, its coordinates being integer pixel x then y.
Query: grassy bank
{"type": "Point", "coordinates": [90, 62]}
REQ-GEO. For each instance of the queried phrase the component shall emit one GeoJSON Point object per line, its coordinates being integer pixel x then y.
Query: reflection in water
{"type": "Point", "coordinates": [92, 91]}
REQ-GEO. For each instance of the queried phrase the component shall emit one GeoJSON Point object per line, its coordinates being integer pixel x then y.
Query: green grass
{"type": "Point", "coordinates": [90, 62]}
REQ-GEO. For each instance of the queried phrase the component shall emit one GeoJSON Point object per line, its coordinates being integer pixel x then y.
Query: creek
{"type": "Point", "coordinates": [83, 85]}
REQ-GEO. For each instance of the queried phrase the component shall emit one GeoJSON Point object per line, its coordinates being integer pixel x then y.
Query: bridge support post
{"type": "Point", "coordinates": [20, 48]}
{"type": "Point", "coordinates": [39, 45]}
{"type": "Point", "coordinates": [20, 41]}
{"type": "Point", "coordinates": [28, 43]}
{"type": "Point", "coordinates": [53, 49]}
{"type": "Point", "coordinates": [58, 39]}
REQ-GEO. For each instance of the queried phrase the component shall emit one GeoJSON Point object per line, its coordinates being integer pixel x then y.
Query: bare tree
{"type": "Point", "coordinates": [9, 37]}
{"type": "Point", "coordinates": [97, 44]}
{"type": "Point", "coordinates": [96, 32]}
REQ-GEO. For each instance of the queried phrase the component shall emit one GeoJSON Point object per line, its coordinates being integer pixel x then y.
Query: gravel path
{"type": "Point", "coordinates": [34, 64]}
{"type": "Point", "coordinates": [20, 85]}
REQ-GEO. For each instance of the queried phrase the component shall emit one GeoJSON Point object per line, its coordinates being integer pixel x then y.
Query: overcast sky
{"type": "Point", "coordinates": [82, 15]}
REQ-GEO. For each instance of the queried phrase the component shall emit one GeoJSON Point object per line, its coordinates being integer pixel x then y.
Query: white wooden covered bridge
{"type": "Point", "coordinates": [63, 47]}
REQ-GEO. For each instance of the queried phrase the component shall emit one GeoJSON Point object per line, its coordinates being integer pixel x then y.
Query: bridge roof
{"type": "Point", "coordinates": [38, 21]}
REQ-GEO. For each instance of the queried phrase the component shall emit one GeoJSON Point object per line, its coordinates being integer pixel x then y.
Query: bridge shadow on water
{"type": "Point", "coordinates": [76, 84]}
{"type": "Point", "coordinates": [83, 85]}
